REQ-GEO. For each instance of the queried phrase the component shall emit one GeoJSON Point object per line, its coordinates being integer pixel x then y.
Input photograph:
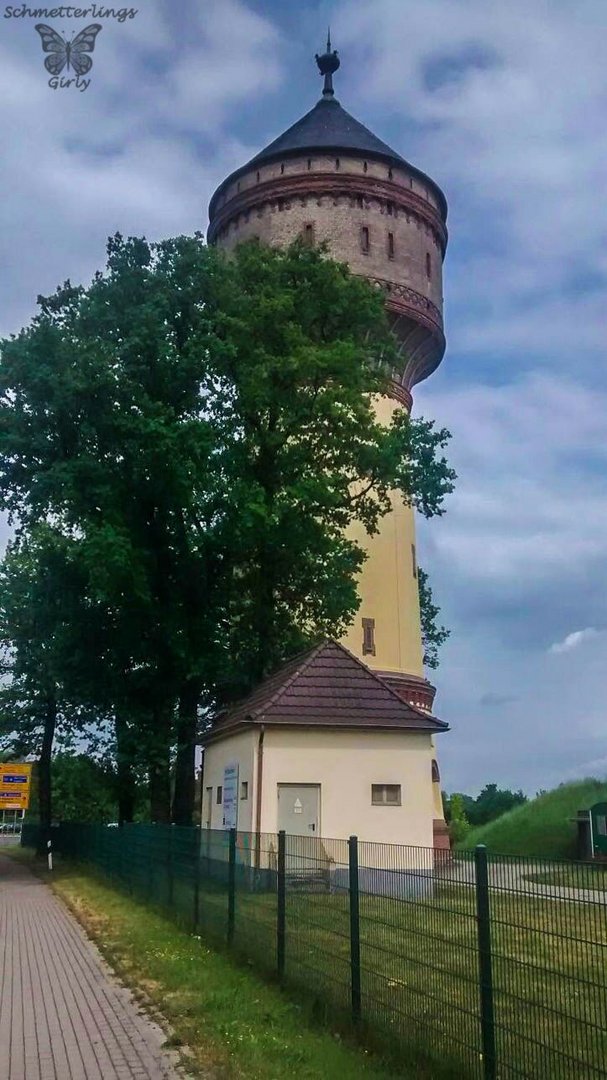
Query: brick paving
{"type": "Point", "coordinates": [62, 1014]}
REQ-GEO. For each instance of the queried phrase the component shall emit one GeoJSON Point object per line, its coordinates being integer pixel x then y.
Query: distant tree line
{"type": "Point", "coordinates": [464, 812]}
{"type": "Point", "coordinates": [183, 445]}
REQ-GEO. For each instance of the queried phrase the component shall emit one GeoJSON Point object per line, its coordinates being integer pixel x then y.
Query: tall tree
{"type": "Point", "coordinates": [203, 428]}
{"type": "Point", "coordinates": [34, 587]}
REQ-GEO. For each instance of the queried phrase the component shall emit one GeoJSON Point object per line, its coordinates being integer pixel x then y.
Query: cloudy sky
{"type": "Point", "coordinates": [504, 105]}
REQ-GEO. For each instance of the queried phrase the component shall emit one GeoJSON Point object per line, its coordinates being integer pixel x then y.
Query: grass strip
{"type": "Point", "coordinates": [228, 1022]}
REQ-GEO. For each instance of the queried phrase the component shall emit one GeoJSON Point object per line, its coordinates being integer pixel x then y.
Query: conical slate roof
{"type": "Point", "coordinates": [326, 687]}
{"type": "Point", "coordinates": [328, 127]}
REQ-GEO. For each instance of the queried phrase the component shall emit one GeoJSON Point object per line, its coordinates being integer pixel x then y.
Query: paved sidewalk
{"type": "Point", "coordinates": [62, 1014]}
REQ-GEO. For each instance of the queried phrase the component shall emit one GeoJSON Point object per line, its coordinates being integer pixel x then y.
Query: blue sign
{"type": "Point", "coordinates": [7, 778]}
{"type": "Point", "coordinates": [230, 796]}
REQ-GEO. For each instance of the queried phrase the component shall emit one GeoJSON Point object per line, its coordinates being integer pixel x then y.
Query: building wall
{"type": "Point", "coordinates": [388, 587]}
{"type": "Point", "coordinates": [242, 749]}
{"type": "Point", "coordinates": [277, 216]}
{"type": "Point", "coordinates": [346, 764]}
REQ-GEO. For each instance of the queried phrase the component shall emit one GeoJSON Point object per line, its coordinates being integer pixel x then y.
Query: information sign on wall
{"type": "Point", "coordinates": [15, 785]}
{"type": "Point", "coordinates": [230, 797]}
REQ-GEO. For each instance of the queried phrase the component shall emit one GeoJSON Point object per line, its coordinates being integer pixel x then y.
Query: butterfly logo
{"type": "Point", "coordinates": [74, 53]}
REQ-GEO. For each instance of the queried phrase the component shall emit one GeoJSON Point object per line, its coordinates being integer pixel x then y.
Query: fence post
{"type": "Point", "coordinates": [483, 920]}
{"type": "Point", "coordinates": [170, 866]}
{"type": "Point", "coordinates": [231, 885]}
{"type": "Point", "coordinates": [197, 884]}
{"type": "Point", "coordinates": [354, 929]}
{"type": "Point", "coordinates": [281, 909]}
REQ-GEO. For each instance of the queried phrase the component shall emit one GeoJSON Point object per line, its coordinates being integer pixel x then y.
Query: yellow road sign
{"type": "Point", "coordinates": [15, 786]}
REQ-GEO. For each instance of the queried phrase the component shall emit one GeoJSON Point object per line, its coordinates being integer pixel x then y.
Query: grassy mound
{"type": "Point", "coordinates": [542, 826]}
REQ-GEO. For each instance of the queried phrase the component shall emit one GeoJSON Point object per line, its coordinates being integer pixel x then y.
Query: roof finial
{"type": "Point", "coordinates": [328, 64]}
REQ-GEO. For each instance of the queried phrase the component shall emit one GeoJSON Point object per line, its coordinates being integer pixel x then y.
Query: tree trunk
{"type": "Point", "coordinates": [124, 769]}
{"type": "Point", "coordinates": [44, 773]}
{"type": "Point", "coordinates": [187, 722]}
{"type": "Point", "coordinates": [159, 765]}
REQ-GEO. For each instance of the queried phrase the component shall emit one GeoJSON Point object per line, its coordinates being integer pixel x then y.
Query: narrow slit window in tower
{"type": "Point", "coordinates": [389, 174]}
{"type": "Point", "coordinates": [219, 795]}
{"type": "Point", "coordinates": [414, 560]}
{"type": "Point", "coordinates": [282, 167]}
{"type": "Point", "coordinates": [364, 239]}
{"type": "Point", "coordinates": [309, 163]}
{"type": "Point", "coordinates": [390, 208]}
{"type": "Point", "coordinates": [258, 176]}
{"type": "Point", "coordinates": [368, 637]}
{"type": "Point", "coordinates": [337, 163]}
{"type": "Point", "coordinates": [308, 234]}
{"type": "Point", "coordinates": [390, 245]}
{"type": "Point", "coordinates": [428, 265]}
{"type": "Point", "coordinates": [435, 772]}
{"type": "Point", "coordinates": [365, 166]}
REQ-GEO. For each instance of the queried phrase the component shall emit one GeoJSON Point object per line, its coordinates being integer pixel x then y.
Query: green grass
{"type": "Point", "coordinates": [420, 974]}
{"type": "Point", "coordinates": [419, 960]}
{"type": "Point", "coordinates": [543, 826]}
{"type": "Point", "coordinates": [232, 1022]}
{"type": "Point", "coordinates": [573, 876]}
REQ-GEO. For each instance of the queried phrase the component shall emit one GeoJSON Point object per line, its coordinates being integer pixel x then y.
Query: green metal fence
{"type": "Point", "coordinates": [470, 965]}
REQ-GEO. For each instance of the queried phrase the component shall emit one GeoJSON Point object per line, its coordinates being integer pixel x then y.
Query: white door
{"type": "Point", "coordinates": [299, 809]}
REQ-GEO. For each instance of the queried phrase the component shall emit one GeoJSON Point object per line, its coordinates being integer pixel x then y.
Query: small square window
{"type": "Point", "coordinates": [219, 794]}
{"type": "Point", "coordinates": [385, 794]}
{"type": "Point", "coordinates": [244, 789]}
{"type": "Point", "coordinates": [364, 239]}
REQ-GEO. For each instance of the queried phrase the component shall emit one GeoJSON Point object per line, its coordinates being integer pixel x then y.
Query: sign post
{"type": "Point", "coordinates": [15, 786]}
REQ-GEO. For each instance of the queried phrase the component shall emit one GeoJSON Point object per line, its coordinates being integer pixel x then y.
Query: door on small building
{"type": "Point", "coordinates": [306, 861]}
{"type": "Point", "coordinates": [299, 809]}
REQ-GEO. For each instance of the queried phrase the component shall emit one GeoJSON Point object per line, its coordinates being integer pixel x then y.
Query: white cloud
{"type": "Point", "coordinates": [574, 640]}
{"type": "Point", "coordinates": [126, 155]}
{"type": "Point", "coordinates": [519, 144]}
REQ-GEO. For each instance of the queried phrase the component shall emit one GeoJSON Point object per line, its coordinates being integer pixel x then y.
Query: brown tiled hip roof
{"type": "Point", "coordinates": [326, 687]}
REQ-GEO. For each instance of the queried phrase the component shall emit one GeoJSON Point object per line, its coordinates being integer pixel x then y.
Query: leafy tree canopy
{"type": "Point", "coordinates": [197, 432]}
